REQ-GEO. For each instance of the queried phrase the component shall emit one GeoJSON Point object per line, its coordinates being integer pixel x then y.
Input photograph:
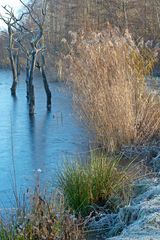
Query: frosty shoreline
{"type": "Point", "coordinates": [141, 219]}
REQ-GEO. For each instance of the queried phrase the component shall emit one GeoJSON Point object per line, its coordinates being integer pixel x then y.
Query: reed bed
{"type": "Point", "coordinates": [110, 92]}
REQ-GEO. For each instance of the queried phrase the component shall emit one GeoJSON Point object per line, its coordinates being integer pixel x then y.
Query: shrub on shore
{"type": "Point", "coordinates": [108, 75]}
{"type": "Point", "coordinates": [97, 182]}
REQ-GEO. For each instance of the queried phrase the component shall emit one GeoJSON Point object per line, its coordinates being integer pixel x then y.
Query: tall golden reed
{"type": "Point", "coordinates": [108, 74]}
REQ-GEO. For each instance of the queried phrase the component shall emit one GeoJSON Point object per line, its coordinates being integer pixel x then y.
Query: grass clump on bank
{"type": "Point", "coordinates": [99, 182]}
{"type": "Point", "coordinates": [108, 75]}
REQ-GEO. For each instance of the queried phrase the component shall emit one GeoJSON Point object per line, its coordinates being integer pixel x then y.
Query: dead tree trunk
{"type": "Point", "coordinates": [45, 83]}
{"type": "Point", "coordinates": [31, 96]}
{"type": "Point", "coordinates": [18, 64]}
{"type": "Point", "coordinates": [12, 61]}
{"type": "Point", "coordinates": [27, 79]}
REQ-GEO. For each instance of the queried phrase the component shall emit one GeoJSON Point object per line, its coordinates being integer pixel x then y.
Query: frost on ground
{"type": "Point", "coordinates": [138, 221]}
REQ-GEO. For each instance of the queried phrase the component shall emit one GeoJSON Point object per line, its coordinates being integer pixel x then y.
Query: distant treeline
{"type": "Point", "coordinates": [142, 18]}
{"type": "Point", "coordinates": [4, 60]}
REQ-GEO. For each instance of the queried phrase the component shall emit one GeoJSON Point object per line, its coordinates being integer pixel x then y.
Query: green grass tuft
{"type": "Point", "coordinates": [97, 182]}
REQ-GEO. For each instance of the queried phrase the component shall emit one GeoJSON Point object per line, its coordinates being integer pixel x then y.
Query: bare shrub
{"type": "Point", "coordinates": [108, 74]}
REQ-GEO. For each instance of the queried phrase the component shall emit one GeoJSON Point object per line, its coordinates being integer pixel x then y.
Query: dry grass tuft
{"type": "Point", "coordinates": [108, 74]}
{"type": "Point", "coordinates": [44, 219]}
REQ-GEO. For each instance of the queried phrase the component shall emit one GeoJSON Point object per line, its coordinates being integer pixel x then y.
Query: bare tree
{"type": "Point", "coordinates": [31, 48]}
{"type": "Point", "coordinates": [10, 21]}
{"type": "Point", "coordinates": [36, 48]}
